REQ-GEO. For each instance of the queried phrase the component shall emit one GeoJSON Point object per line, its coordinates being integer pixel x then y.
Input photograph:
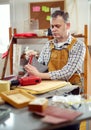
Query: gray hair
{"type": "Point", "coordinates": [64, 15]}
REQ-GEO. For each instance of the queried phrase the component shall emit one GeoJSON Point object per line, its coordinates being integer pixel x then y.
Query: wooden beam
{"type": "Point", "coordinates": [86, 58]}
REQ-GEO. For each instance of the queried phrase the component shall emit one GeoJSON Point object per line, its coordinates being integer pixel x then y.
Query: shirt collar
{"type": "Point", "coordinates": [60, 44]}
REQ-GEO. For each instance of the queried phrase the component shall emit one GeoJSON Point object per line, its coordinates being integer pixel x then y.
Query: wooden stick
{"type": "Point", "coordinates": [6, 60]}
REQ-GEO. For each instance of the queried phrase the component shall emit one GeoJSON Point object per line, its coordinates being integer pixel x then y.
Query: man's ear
{"type": "Point", "coordinates": [68, 25]}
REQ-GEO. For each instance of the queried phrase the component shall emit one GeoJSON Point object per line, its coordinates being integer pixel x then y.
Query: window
{"type": "Point", "coordinates": [4, 26]}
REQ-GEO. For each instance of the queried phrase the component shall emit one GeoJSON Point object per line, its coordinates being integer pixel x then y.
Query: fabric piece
{"type": "Point", "coordinates": [62, 112]}
{"type": "Point", "coordinates": [5, 54]}
{"type": "Point", "coordinates": [39, 66]}
{"type": "Point", "coordinates": [25, 34]}
{"type": "Point", "coordinates": [55, 115]}
{"type": "Point", "coordinates": [53, 120]}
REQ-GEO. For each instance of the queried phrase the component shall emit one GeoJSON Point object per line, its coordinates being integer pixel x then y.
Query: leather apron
{"type": "Point", "coordinates": [59, 58]}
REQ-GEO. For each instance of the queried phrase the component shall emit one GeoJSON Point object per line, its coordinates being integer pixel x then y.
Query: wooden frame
{"type": "Point", "coordinates": [85, 36]}
{"type": "Point", "coordinates": [86, 58]}
{"type": "Point", "coordinates": [17, 98]}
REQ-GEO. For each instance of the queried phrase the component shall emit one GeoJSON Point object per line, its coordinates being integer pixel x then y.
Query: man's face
{"type": "Point", "coordinates": [59, 28]}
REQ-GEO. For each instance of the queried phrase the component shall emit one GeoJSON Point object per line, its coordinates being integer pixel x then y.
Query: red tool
{"type": "Point", "coordinates": [24, 81]}
{"type": "Point", "coordinates": [30, 59]}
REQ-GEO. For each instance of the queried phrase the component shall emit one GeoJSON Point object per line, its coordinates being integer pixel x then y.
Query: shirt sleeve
{"type": "Point", "coordinates": [45, 54]}
{"type": "Point", "coordinates": [74, 64]}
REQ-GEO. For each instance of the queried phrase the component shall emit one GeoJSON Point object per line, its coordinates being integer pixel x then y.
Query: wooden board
{"type": "Point", "coordinates": [44, 86]}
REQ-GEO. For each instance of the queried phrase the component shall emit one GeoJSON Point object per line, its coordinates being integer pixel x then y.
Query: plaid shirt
{"type": "Point", "coordinates": [75, 59]}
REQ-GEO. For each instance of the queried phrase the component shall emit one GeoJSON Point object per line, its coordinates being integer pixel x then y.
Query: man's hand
{"type": "Point", "coordinates": [31, 70]}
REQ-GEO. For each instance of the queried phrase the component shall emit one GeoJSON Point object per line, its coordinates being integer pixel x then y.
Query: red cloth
{"type": "Point", "coordinates": [4, 54]}
{"type": "Point", "coordinates": [25, 34]}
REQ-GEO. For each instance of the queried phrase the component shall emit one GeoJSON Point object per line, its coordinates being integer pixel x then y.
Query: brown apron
{"type": "Point", "coordinates": [59, 58]}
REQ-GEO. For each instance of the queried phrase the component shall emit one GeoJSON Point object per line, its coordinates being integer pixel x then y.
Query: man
{"type": "Point", "coordinates": [64, 55]}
